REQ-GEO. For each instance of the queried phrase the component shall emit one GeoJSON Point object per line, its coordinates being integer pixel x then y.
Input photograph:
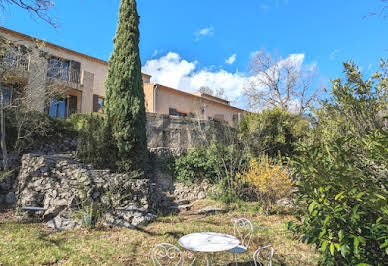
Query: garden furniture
{"type": "Point", "coordinates": [261, 254]}
{"type": "Point", "coordinates": [208, 242]}
{"type": "Point", "coordinates": [167, 252]}
{"type": "Point", "coordinates": [243, 230]}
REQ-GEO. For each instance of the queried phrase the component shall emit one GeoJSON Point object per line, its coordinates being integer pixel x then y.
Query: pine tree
{"type": "Point", "coordinates": [125, 108]}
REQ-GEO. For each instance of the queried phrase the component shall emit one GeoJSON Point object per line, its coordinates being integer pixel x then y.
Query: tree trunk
{"type": "Point", "coordinates": [2, 129]}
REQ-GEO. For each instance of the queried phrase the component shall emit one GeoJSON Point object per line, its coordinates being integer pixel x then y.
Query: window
{"type": "Point", "coordinates": [6, 95]}
{"type": "Point", "coordinates": [64, 69]}
{"type": "Point", "coordinates": [57, 108]}
{"type": "Point", "coordinates": [58, 68]}
{"type": "Point", "coordinates": [15, 56]}
{"type": "Point", "coordinates": [63, 108]}
{"type": "Point", "coordinates": [173, 111]}
{"type": "Point", "coordinates": [98, 103]}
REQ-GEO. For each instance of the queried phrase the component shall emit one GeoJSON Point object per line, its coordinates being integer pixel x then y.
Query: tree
{"type": "Point", "coordinates": [219, 93]}
{"type": "Point", "coordinates": [278, 82]}
{"type": "Point", "coordinates": [343, 171]}
{"type": "Point", "coordinates": [22, 78]}
{"type": "Point", "coordinates": [125, 107]}
{"type": "Point", "coordinates": [382, 10]}
{"type": "Point", "coordinates": [37, 8]}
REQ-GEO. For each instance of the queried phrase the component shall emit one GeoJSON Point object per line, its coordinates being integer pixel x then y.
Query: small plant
{"type": "Point", "coordinates": [270, 181]}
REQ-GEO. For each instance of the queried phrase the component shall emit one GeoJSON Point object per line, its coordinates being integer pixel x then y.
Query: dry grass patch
{"type": "Point", "coordinates": [26, 244]}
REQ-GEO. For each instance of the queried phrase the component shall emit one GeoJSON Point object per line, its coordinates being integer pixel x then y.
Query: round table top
{"type": "Point", "coordinates": [208, 242]}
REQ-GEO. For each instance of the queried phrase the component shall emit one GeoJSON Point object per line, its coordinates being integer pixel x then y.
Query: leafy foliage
{"type": "Point", "coordinates": [343, 174]}
{"type": "Point", "coordinates": [272, 131]}
{"type": "Point", "coordinates": [125, 107]}
{"type": "Point", "coordinates": [270, 180]}
{"type": "Point", "coordinates": [197, 165]}
{"type": "Point", "coordinates": [94, 141]}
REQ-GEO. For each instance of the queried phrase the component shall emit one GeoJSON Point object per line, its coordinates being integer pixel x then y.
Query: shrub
{"type": "Point", "coordinates": [343, 174]}
{"type": "Point", "coordinates": [272, 131]}
{"type": "Point", "coordinates": [197, 165]}
{"type": "Point", "coordinates": [94, 141]}
{"type": "Point", "coordinates": [269, 180]}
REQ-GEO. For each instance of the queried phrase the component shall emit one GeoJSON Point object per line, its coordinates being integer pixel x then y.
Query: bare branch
{"type": "Point", "coordinates": [278, 82]}
{"type": "Point", "coordinates": [37, 8]}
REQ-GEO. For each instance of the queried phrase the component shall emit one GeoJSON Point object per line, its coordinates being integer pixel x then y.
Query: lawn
{"type": "Point", "coordinates": [33, 243]}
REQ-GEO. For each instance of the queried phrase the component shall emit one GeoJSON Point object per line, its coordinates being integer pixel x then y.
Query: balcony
{"type": "Point", "coordinates": [64, 73]}
{"type": "Point", "coordinates": [14, 68]}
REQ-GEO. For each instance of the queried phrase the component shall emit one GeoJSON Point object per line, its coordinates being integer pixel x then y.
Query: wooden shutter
{"type": "Point", "coordinates": [95, 103]}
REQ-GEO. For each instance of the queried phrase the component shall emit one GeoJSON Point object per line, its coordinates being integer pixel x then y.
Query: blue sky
{"type": "Point", "coordinates": [186, 44]}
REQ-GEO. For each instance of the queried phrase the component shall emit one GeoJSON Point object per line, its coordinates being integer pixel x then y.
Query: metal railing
{"type": "Point", "coordinates": [14, 61]}
{"type": "Point", "coordinates": [75, 76]}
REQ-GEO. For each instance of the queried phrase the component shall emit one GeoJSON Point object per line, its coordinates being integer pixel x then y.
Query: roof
{"type": "Point", "coordinates": [51, 45]}
{"type": "Point", "coordinates": [200, 98]}
{"type": "Point", "coordinates": [58, 47]}
{"type": "Point", "coordinates": [201, 94]}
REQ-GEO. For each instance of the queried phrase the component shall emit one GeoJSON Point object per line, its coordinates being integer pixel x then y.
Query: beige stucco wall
{"type": "Point", "coordinates": [93, 75]}
{"type": "Point", "coordinates": [149, 97]}
{"type": "Point", "coordinates": [167, 98]}
{"type": "Point", "coordinates": [98, 69]}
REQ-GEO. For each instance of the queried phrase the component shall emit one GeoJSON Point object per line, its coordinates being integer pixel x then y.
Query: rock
{"type": "Point", "coordinates": [5, 186]}
{"type": "Point", "coordinates": [182, 202]}
{"type": "Point", "coordinates": [201, 195]}
{"type": "Point", "coordinates": [10, 198]}
{"type": "Point", "coordinates": [286, 202]}
{"type": "Point", "coordinates": [74, 188]}
{"type": "Point", "coordinates": [2, 199]}
{"type": "Point", "coordinates": [211, 210]}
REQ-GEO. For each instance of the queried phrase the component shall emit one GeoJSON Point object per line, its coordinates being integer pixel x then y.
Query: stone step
{"type": "Point", "coordinates": [184, 207]}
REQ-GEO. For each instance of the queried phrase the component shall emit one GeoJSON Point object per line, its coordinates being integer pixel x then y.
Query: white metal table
{"type": "Point", "coordinates": [208, 242]}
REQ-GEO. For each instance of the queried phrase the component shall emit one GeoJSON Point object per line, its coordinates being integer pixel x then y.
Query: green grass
{"type": "Point", "coordinates": [33, 243]}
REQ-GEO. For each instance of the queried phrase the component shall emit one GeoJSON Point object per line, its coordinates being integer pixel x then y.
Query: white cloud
{"type": "Point", "coordinates": [173, 71]}
{"type": "Point", "coordinates": [155, 53]}
{"type": "Point", "coordinates": [334, 54]}
{"type": "Point", "coordinates": [209, 31]}
{"type": "Point", "coordinates": [230, 60]}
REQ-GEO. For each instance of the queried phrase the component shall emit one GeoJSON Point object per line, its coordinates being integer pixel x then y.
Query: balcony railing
{"type": "Point", "coordinates": [75, 76]}
{"type": "Point", "coordinates": [14, 61]}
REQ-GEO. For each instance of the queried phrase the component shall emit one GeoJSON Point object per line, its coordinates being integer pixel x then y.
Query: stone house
{"type": "Point", "coordinates": [82, 79]}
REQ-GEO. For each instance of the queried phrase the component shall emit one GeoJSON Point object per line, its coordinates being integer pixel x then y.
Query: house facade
{"type": "Point", "coordinates": [81, 79]}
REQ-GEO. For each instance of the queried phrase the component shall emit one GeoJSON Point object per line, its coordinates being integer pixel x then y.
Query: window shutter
{"type": "Point", "coordinates": [95, 103]}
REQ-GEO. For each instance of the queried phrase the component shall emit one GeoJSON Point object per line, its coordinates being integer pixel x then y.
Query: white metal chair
{"type": "Point", "coordinates": [167, 254]}
{"type": "Point", "coordinates": [262, 255]}
{"type": "Point", "coordinates": [243, 230]}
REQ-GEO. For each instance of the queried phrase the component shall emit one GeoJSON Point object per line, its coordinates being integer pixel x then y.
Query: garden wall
{"type": "Point", "coordinates": [178, 134]}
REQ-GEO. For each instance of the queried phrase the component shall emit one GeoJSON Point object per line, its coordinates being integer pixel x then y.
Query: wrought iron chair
{"type": "Point", "coordinates": [167, 254]}
{"type": "Point", "coordinates": [263, 254]}
{"type": "Point", "coordinates": [243, 230]}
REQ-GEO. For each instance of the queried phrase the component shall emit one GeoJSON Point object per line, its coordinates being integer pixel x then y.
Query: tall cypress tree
{"type": "Point", "coordinates": [125, 108]}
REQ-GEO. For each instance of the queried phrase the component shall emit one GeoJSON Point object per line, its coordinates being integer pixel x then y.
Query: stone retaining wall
{"type": "Point", "coordinates": [177, 134]}
{"type": "Point", "coordinates": [70, 192]}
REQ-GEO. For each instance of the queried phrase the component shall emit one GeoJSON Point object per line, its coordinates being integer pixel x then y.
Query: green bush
{"type": "Point", "coordinates": [197, 165]}
{"type": "Point", "coordinates": [343, 174]}
{"type": "Point", "coordinates": [272, 131]}
{"type": "Point", "coordinates": [218, 164]}
{"type": "Point", "coordinates": [94, 141]}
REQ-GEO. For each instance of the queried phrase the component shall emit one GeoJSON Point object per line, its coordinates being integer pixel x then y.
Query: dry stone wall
{"type": "Point", "coordinates": [71, 192]}
{"type": "Point", "coordinates": [176, 134]}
